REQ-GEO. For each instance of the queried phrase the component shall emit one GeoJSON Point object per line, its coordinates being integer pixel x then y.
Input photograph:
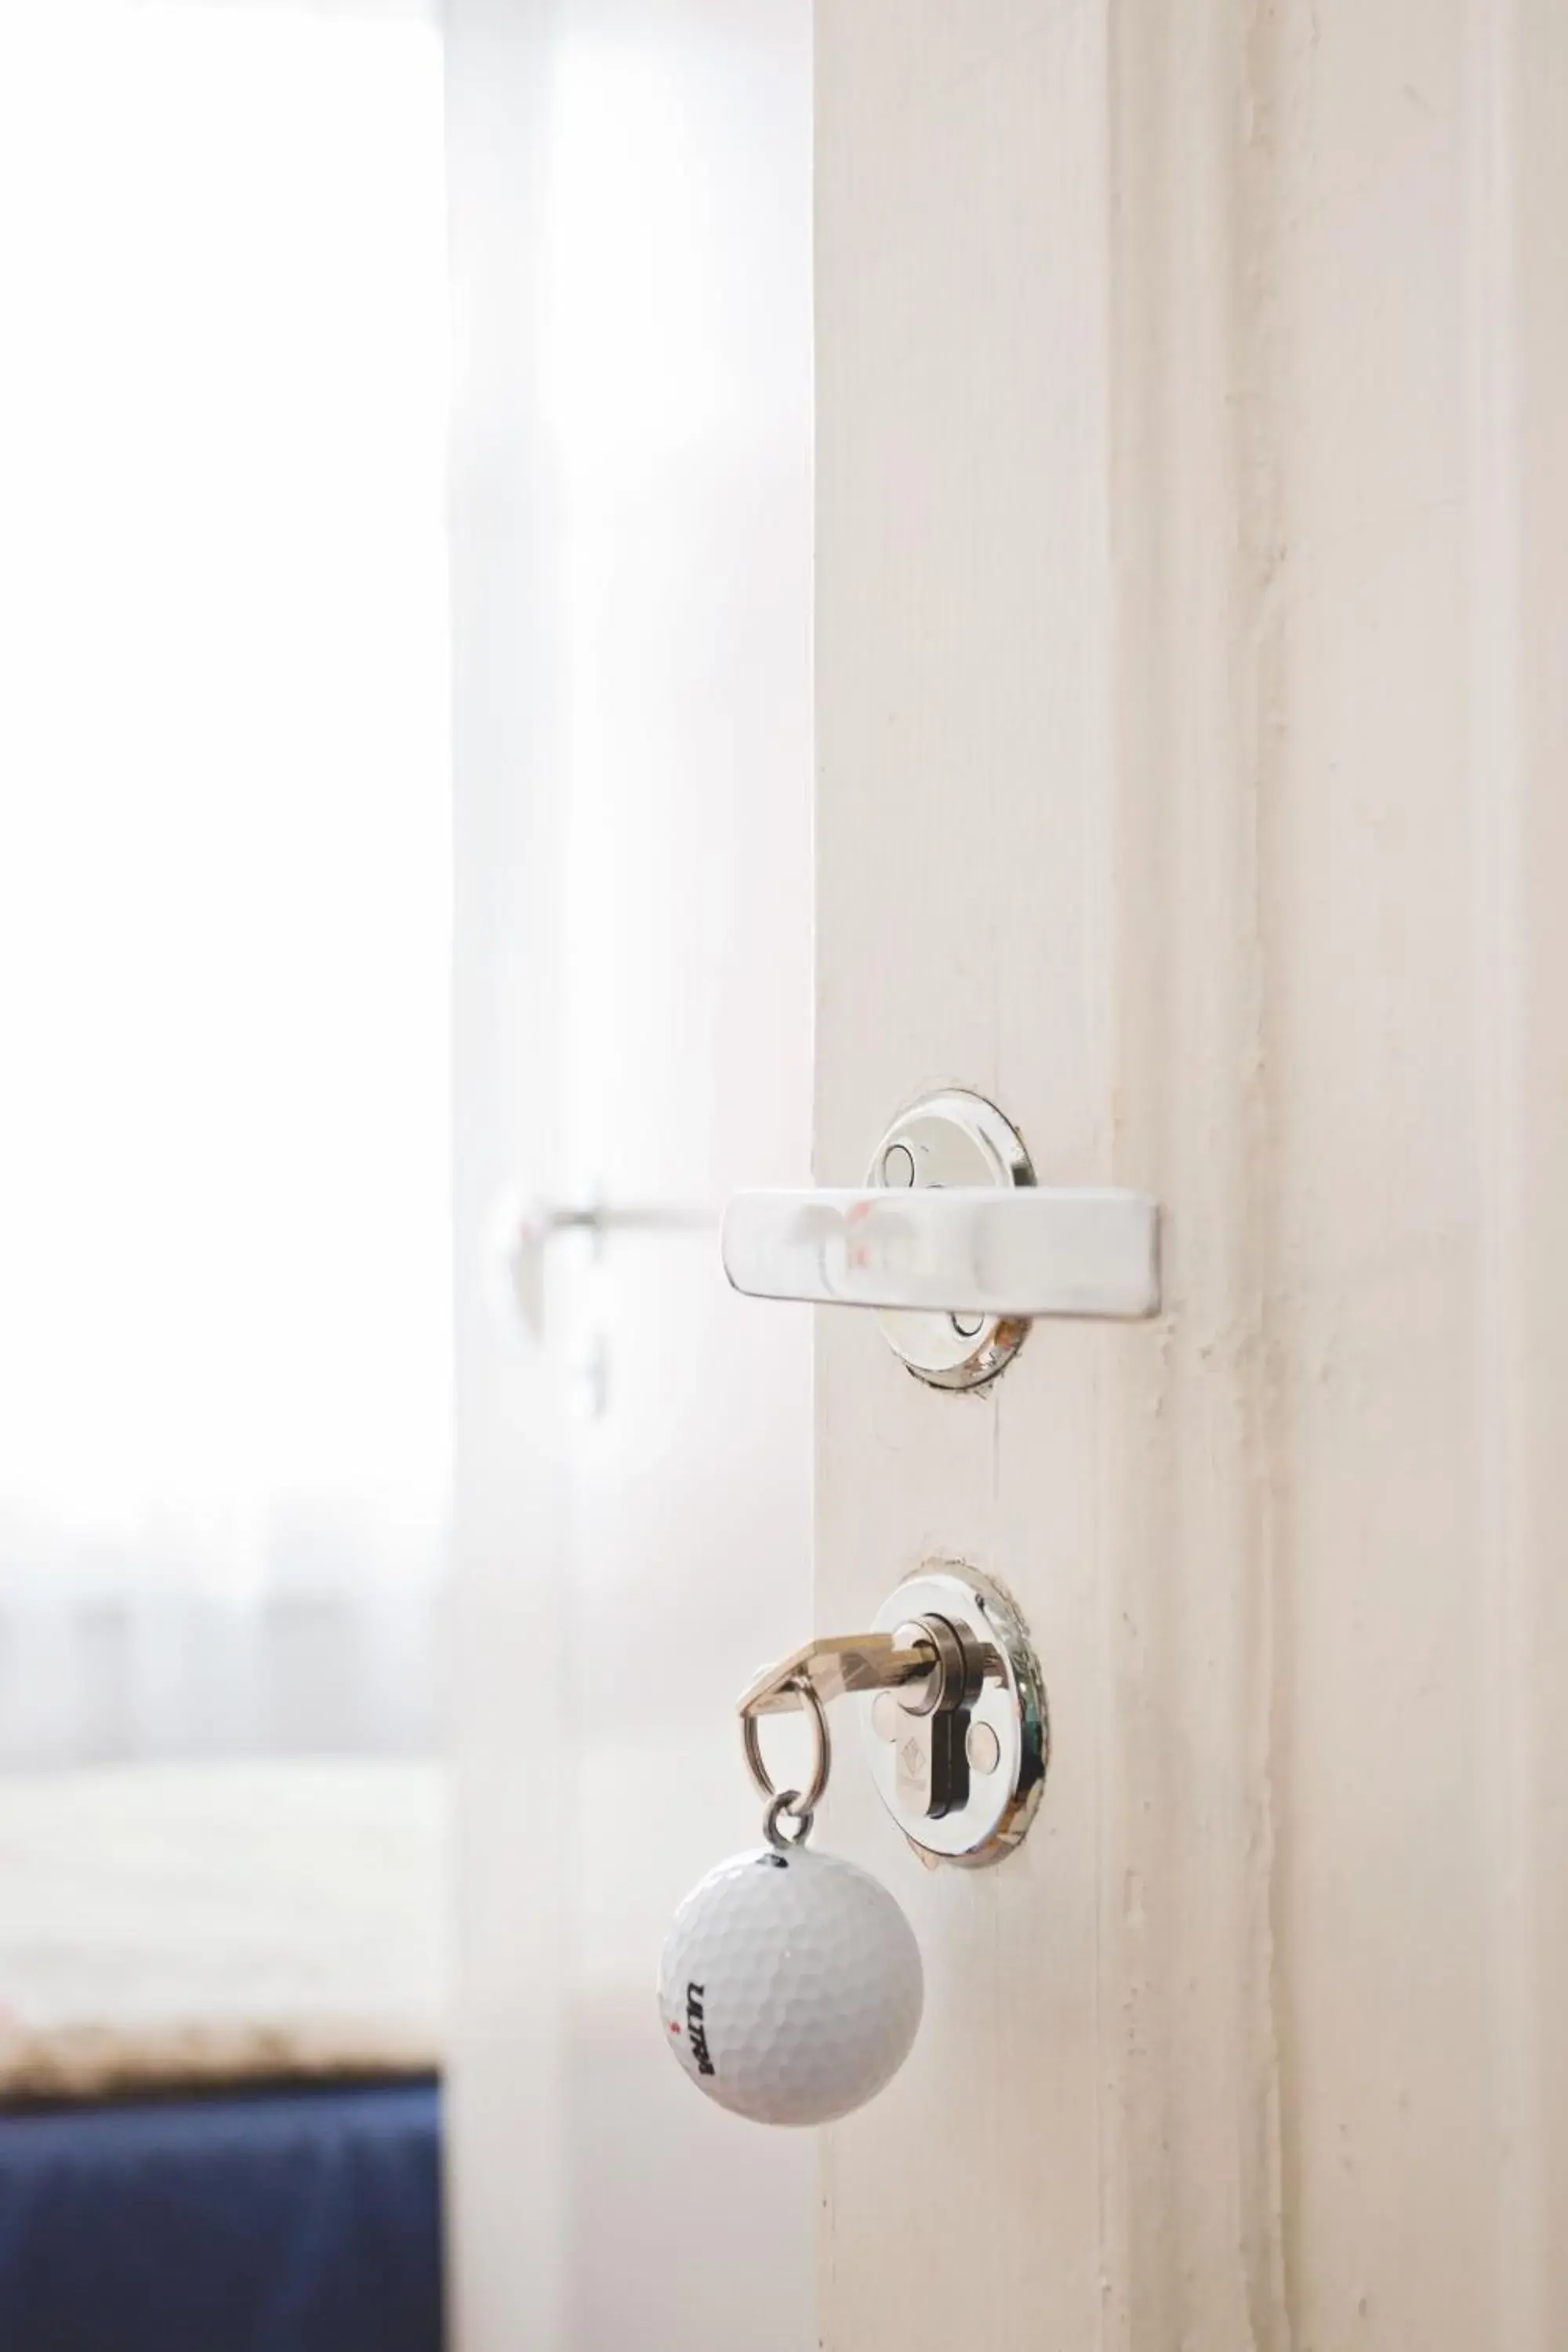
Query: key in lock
{"type": "Point", "coordinates": [927, 1675]}
{"type": "Point", "coordinates": [953, 1708]}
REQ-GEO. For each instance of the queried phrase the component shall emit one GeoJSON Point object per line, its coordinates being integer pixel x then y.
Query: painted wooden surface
{"type": "Point", "coordinates": [631, 217]}
{"type": "Point", "coordinates": [1191, 522]}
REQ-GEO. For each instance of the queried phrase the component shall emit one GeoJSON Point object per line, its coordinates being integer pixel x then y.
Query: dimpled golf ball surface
{"type": "Point", "coordinates": [790, 1988]}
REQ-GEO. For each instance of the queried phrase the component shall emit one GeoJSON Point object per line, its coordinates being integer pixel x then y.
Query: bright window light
{"type": "Point", "coordinates": [224, 795]}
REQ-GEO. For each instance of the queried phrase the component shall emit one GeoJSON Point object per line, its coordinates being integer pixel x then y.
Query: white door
{"type": "Point", "coordinates": [1192, 575]}
{"type": "Point", "coordinates": [1193, 578]}
{"type": "Point", "coordinates": [631, 244]}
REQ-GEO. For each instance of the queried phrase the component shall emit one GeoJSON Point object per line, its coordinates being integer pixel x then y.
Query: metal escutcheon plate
{"type": "Point", "coordinates": [1009, 1732]}
{"type": "Point", "coordinates": [951, 1140]}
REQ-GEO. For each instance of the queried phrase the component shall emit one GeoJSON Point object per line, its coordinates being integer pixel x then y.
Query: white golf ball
{"type": "Point", "coordinates": [790, 1987]}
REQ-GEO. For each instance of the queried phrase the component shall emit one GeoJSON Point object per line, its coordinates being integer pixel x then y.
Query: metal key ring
{"type": "Point", "coordinates": [783, 1808]}
{"type": "Point", "coordinates": [799, 1806]}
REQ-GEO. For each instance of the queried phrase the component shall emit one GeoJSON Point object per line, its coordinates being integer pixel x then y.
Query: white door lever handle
{"type": "Point", "coordinates": [985, 1250]}
{"type": "Point", "coordinates": [527, 1228]}
{"type": "Point", "coordinates": [953, 1242]}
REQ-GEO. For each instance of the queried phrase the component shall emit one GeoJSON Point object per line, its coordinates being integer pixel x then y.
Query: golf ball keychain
{"type": "Point", "coordinates": [791, 1982]}
{"type": "Point", "coordinates": [791, 1985]}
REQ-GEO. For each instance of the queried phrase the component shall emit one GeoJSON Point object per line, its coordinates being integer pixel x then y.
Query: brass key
{"type": "Point", "coordinates": [839, 1665]}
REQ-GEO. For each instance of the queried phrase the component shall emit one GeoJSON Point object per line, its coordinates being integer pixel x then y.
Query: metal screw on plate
{"type": "Point", "coordinates": [887, 1716]}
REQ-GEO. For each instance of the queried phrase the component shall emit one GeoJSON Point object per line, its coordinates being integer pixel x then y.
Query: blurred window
{"type": "Point", "coordinates": [224, 876]}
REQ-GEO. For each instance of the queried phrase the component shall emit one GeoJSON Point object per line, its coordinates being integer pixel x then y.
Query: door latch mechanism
{"type": "Point", "coordinates": [952, 1714]}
